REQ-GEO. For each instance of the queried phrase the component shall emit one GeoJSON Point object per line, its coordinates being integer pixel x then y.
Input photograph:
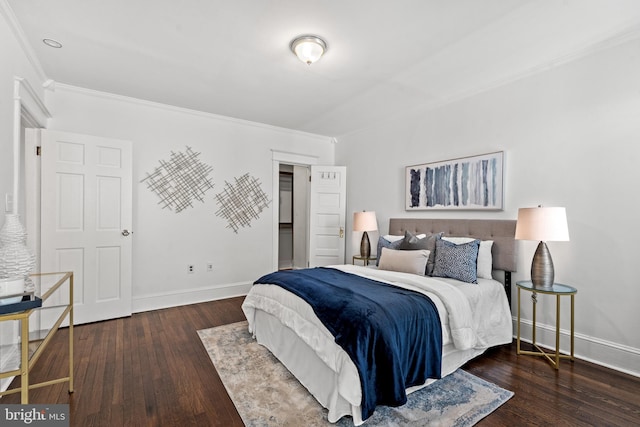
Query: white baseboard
{"type": "Point", "coordinates": [189, 296]}
{"type": "Point", "coordinates": [601, 352]}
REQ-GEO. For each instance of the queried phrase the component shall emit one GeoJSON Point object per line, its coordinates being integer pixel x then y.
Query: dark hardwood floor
{"type": "Point", "coordinates": [152, 370]}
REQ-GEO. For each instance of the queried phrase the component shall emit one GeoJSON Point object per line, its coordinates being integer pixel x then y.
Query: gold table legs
{"type": "Point", "coordinates": [555, 356]}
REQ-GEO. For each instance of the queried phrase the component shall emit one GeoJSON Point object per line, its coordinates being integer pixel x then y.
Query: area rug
{"type": "Point", "coordinates": [266, 394]}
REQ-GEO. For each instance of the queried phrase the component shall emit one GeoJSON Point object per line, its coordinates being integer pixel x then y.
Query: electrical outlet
{"type": "Point", "coordinates": [191, 268]}
{"type": "Point", "coordinates": [209, 266]}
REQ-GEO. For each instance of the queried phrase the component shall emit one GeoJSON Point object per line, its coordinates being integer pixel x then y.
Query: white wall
{"type": "Point", "coordinates": [165, 242]}
{"type": "Point", "coordinates": [14, 63]}
{"type": "Point", "coordinates": [571, 136]}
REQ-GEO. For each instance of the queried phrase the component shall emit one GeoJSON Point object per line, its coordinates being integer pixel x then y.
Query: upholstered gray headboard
{"type": "Point", "coordinates": [502, 232]}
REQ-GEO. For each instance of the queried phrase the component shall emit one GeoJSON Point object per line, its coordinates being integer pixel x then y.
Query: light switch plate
{"type": "Point", "coordinates": [8, 202]}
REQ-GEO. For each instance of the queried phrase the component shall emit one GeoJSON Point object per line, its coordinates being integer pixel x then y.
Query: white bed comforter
{"type": "Point", "coordinates": [473, 316]}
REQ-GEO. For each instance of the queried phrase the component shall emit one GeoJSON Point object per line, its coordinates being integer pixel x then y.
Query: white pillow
{"type": "Point", "coordinates": [414, 262]}
{"type": "Point", "coordinates": [485, 259]}
{"type": "Point", "coordinates": [393, 238]}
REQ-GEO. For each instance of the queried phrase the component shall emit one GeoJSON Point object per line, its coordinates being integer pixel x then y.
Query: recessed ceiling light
{"type": "Point", "coordinates": [52, 43]}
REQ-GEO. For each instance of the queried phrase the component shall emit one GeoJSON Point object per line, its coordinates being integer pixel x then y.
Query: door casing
{"type": "Point", "coordinates": [279, 157]}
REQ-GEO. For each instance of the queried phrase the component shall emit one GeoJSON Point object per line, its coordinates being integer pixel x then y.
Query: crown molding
{"type": "Point", "coordinates": [182, 110]}
{"type": "Point", "coordinates": [615, 38]}
{"type": "Point", "coordinates": [17, 31]}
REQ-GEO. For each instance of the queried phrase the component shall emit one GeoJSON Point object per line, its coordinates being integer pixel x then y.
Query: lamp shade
{"type": "Point", "coordinates": [365, 221]}
{"type": "Point", "coordinates": [542, 223]}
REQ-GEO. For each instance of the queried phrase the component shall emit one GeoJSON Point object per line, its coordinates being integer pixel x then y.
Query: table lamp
{"type": "Point", "coordinates": [365, 221]}
{"type": "Point", "coordinates": [543, 224]}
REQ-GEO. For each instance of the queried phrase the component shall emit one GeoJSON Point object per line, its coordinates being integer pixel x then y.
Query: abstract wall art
{"type": "Point", "coordinates": [180, 180]}
{"type": "Point", "coordinates": [241, 202]}
{"type": "Point", "coordinates": [471, 183]}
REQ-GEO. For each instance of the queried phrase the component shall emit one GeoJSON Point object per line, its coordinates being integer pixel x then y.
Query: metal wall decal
{"type": "Point", "coordinates": [180, 180]}
{"type": "Point", "coordinates": [241, 202]}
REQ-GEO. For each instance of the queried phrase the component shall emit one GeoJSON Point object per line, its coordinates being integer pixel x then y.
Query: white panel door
{"type": "Point", "coordinates": [327, 215]}
{"type": "Point", "coordinates": [86, 220]}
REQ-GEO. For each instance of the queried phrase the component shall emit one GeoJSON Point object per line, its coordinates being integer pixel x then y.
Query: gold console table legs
{"type": "Point", "coordinates": [28, 360]}
{"type": "Point", "coordinates": [554, 356]}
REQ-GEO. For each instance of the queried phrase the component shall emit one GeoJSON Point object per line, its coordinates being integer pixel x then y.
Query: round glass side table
{"type": "Point", "coordinates": [559, 290]}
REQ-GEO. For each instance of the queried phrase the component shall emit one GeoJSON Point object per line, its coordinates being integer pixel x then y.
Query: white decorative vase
{"type": "Point", "coordinates": [15, 258]}
{"type": "Point", "coordinates": [11, 286]}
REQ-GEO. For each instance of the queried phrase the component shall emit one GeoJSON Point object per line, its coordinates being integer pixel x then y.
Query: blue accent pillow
{"type": "Point", "coordinates": [384, 243]}
{"type": "Point", "coordinates": [457, 261]}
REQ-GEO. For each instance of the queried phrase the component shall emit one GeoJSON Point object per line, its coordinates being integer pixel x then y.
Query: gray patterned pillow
{"type": "Point", "coordinates": [457, 261]}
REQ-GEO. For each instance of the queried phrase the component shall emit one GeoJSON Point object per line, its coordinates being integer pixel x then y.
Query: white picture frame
{"type": "Point", "coordinates": [466, 183]}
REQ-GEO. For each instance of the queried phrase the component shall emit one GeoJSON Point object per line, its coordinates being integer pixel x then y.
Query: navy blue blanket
{"type": "Point", "coordinates": [393, 335]}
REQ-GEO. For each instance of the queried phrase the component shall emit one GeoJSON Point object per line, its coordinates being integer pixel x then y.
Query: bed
{"type": "Point", "coordinates": [474, 316]}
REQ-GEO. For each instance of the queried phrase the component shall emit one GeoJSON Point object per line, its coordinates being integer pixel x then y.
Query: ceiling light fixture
{"type": "Point", "coordinates": [308, 48]}
{"type": "Point", "coordinates": [52, 43]}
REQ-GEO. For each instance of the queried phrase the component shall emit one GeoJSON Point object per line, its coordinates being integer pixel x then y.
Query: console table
{"type": "Point", "coordinates": [57, 304]}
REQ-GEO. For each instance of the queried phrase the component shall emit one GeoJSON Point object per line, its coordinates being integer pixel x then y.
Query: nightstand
{"type": "Point", "coordinates": [365, 260]}
{"type": "Point", "coordinates": [558, 290]}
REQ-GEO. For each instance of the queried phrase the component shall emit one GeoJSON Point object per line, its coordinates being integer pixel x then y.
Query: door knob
{"type": "Point", "coordinates": [125, 233]}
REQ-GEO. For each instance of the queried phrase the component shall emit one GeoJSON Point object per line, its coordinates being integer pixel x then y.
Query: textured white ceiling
{"type": "Point", "coordinates": [385, 57]}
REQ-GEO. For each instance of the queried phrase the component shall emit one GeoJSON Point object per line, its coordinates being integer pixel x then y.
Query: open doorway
{"type": "Point", "coordinates": [293, 220]}
{"type": "Point", "coordinates": [319, 210]}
